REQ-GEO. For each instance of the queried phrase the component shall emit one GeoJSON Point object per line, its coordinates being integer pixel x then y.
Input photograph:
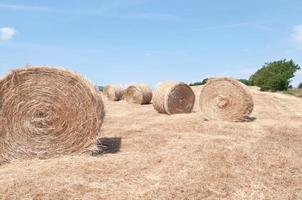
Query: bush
{"type": "Point", "coordinates": [289, 92]}
{"type": "Point", "coordinates": [275, 76]}
{"type": "Point", "coordinates": [195, 83]}
{"type": "Point", "coordinates": [204, 81]}
{"type": "Point", "coordinates": [101, 88]}
{"type": "Point", "coordinates": [300, 86]}
{"type": "Point", "coordinates": [246, 82]}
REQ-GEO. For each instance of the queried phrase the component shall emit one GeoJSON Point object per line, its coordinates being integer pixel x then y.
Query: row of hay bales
{"type": "Point", "coordinates": [45, 111]}
{"type": "Point", "coordinates": [136, 93]}
{"type": "Point", "coordinates": [220, 99]}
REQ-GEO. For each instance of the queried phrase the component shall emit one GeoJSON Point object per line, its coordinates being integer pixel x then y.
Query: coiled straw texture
{"type": "Point", "coordinates": [46, 112]}
{"type": "Point", "coordinates": [138, 94]}
{"type": "Point", "coordinates": [226, 99]}
{"type": "Point", "coordinates": [173, 97]}
{"type": "Point", "coordinates": [114, 92]}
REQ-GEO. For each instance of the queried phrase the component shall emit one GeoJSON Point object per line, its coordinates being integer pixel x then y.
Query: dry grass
{"type": "Point", "coordinates": [46, 112]}
{"type": "Point", "coordinates": [176, 157]}
{"type": "Point", "coordinates": [294, 92]}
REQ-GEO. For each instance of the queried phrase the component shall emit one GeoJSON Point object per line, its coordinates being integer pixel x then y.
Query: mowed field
{"type": "Point", "coordinates": [182, 156]}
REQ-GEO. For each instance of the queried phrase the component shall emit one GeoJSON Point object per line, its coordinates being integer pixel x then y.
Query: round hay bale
{"type": "Point", "coordinates": [226, 99]}
{"type": "Point", "coordinates": [173, 97]}
{"type": "Point", "coordinates": [114, 92]}
{"type": "Point", "coordinates": [46, 112]}
{"type": "Point", "coordinates": [138, 94]}
{"type": "Point", "coordinates": [105, 90]}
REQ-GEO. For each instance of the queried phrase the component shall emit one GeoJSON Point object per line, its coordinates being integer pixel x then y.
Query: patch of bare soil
{"type": "Point", "coordinates": [176, 157]}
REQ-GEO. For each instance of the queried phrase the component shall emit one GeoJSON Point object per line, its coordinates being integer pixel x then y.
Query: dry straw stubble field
{"type": "Point", "coordinates": [181, 156]}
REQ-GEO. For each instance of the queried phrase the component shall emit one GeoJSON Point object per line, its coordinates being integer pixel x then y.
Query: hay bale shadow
{"type": "Point", "coordinates": [107, 145]}
{"type": "Point", "coordinates": [250, 119]}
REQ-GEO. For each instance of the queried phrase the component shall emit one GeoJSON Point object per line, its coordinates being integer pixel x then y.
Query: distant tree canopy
{"type": "Point", "coordinates": [195, 83]}
{"type": "Point", "coordinates": [101, 88]}
{"type": "Point", "coordinates": [246, 82]}
{"type": "Point", "coordinates": [275, 76]}
{"type": "Point", "coordinates": [204, 81]}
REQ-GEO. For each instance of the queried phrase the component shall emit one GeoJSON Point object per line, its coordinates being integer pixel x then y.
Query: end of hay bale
{"type": "Point", "coordinates": [173, 97]}
{"type": "Point", "coordinates": [138, 94]}
{"type": "Point", "coordinates": [226, 99]}
{"type": "Point", "coordinates": [114, 92]}
{"type": "Point", "coordinates": [47, 112]}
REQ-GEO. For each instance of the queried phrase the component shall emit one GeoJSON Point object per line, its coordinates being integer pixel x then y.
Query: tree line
{"type": "Point", "coordinates": [272, 76]}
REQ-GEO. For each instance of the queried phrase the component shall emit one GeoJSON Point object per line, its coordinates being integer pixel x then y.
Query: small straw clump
{"type": "Point", "coordinates": [46, 112]}
{"type": "Point", "coordinates": [138, 94]}
{"type": "Point", "coordinates": [173, 97]}
{"type": "Point", "coordinates": [114, 92]}
{"type": "Point", "coordinates": [226, 99]}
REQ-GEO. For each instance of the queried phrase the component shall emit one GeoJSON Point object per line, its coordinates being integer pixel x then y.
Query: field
{"type": "Point", "coordinates": [294, 92]}
{"type": "Point", "coordinates": [176, 157]}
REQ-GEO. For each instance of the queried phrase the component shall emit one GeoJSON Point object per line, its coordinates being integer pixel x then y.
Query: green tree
{"type": "Point", "coordinates": [195, 83]}
{"type": "Point", "coordinates": [204, 81]}
{"type": "Point", "coordinates": [101, 88]}
{"type": "Point", "coordinates": [246, 82]}
{"type": "Point", "coordinates": [275, 75]}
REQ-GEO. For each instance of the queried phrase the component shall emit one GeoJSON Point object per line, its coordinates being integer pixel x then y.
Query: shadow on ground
{"type": "Point", "coordinates": [107, 145]}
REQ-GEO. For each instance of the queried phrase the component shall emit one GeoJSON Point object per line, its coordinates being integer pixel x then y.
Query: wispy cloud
{"type": "Point", "coordinates": [25, 8]}
{"type": "Point", "coordinates": [163, 53]}
{"type": "Point", "coordinates": [153, 16]}
{"type": "Point", "coordinates": [297, 35]}
{"type": "Point", "coordinates": [7, 33]}
{"type": "Point", "coordinates": [105, 10]}
{"type": "Point", "coordinates": [245, 25]}
{"type": "Point", "coordinates": [144, 16]}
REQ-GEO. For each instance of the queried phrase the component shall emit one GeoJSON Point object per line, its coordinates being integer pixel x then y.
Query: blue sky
{"type": "Point", "coordinates": [126, 41]}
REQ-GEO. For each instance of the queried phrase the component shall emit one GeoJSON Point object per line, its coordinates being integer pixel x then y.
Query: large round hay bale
{"type": "Point", "coordinates": [46, 112]}
{"type": "Point", "coordinates": [226, 99]}
{"type": "Point", "coordinates": [138, 94]}
{"type": "Point", "coordinates": [114, 92]}
{"type": "Point", "coordinates": [173, 97]}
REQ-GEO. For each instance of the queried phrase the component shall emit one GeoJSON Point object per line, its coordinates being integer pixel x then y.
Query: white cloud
{"type": "Point", "coordinates": [297, 35]}
{"type": "Point", "coordinates": [25, 8]}
{"type": "Point", "coordinates": [7, 33]}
